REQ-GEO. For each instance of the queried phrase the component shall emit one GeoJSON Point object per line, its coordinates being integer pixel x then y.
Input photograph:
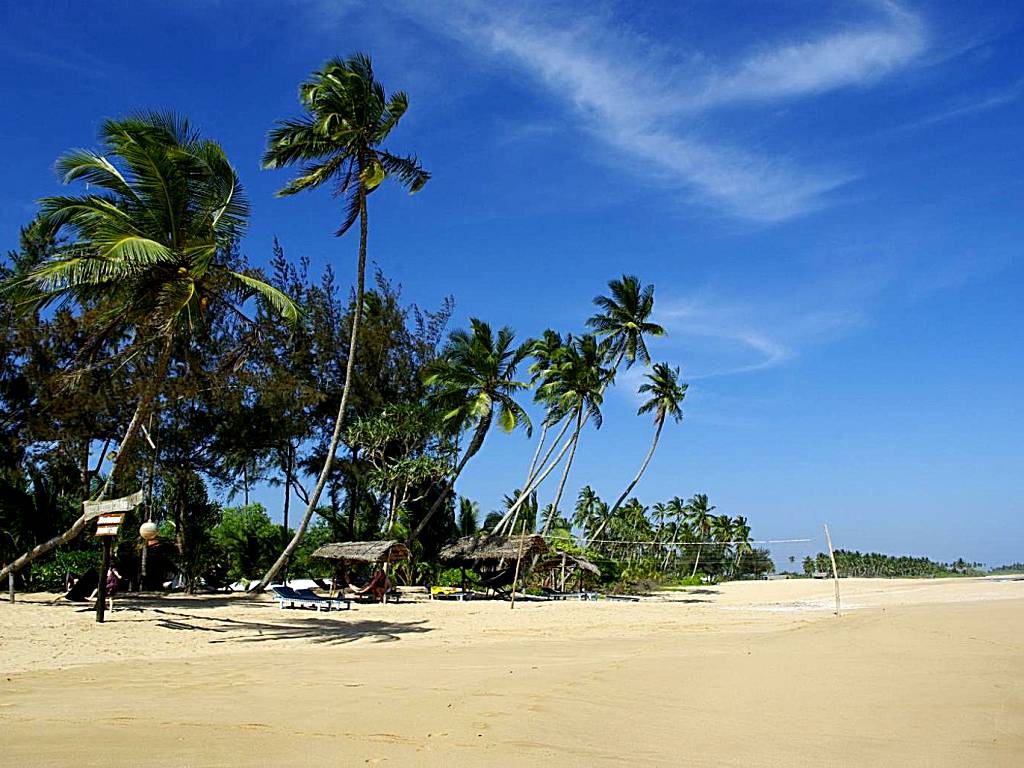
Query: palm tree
{"type": "Point", "coordinates": [666, 395]}
{"type": "Point", "coordinates": [699, 513]}
{"type": "Point", "coordinates": [469, 513]}
{"type": "Point", "coordinates": [679, 512]}
{"type": "Point", "coordinates": [625, 320]}
{"type": "Point", "coordinates": [721, 531]}
{"type": "Point", "coordinates": [547, 352]}
{"type": "Point", "coordinates": [590, 510]}
{"type": "Point", "coordinates": [474, 375]}
{"type": "Point", "coordinates": [576, 386]}
{"type": "Point", "coordinates": [572, 388]}
{"type": "Point", "coordinates": [148, 248]}
{"type": "Point", "coordinates": [338, 140]}
{"type": "Point", "coordinates": [741, 535]}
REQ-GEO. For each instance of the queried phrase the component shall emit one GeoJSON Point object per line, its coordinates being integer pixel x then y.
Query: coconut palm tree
{"type": "Point", "coordinates": [677, 510]}
{"type": "Point", "coordinates": [547, 352]}
{"type": "Point", "coordinates": [699, 513]}
{"type": "Point", "coordinates": [347, 117]}
{"type": "Point", "coordinates": [147, 247]}
{"type": "Point", "coordinates": [721, 532]}
{"type": "Point", "coordinates": [666, 395]}
{"type": "Point", "coordinates": [741, 535]}
{"type": "Point", "coordinates": [625, 320]}
{"type": "Point", "coordinates": [590, 510]}
{"type": "Point", "coordinates": [475, 376]}
{"type": "Point", "coordinates": [572, 388]}
{"type": "Point", "coordinates": [469, 514]}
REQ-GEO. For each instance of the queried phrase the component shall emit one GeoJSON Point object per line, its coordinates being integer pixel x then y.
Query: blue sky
{"type": "Point", "coordinates": [828, 200]}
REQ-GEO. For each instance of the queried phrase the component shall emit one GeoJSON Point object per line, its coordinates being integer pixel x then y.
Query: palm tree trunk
{"type": "Point", "coordinates": [475, 444]}
{"type": "Point", "coordinates": [697, 561]}
{"type": "Point", "coordinates": [636, 479]}
{"type": "Point", "coordinates": [339, 420]}
{"type": "Point", "coordinates": [525, 493]}
{"type": "Point", "coordinates": [141, 409]}
{"type": "Point", "coordinates": [565, 473]}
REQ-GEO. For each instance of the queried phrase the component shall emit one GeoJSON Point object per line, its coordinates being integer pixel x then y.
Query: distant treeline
{"type": "Point", "coordinates": [1010, 568]}
{"type": "Point", "coordinates": [874, 564]}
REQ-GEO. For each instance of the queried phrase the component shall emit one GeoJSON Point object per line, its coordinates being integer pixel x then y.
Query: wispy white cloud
{"type": "Point", "coordinates": [645, 105]}
{"type": "Point", "coordinates": [830, 61]}
{"type": "Point", "coordinates": [991, 100]}
{"type": "Point", "coordinates": [727, 336]}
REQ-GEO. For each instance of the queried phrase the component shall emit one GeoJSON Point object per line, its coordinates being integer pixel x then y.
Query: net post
{"type": "Point", "coordinates": [835, 571]}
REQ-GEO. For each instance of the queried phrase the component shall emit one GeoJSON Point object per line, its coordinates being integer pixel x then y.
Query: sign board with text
{"type": "Point", "coordinates": [94, 509]}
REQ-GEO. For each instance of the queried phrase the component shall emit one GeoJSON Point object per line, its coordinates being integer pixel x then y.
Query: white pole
{"type": "Point", "coordinates": [835, 571]}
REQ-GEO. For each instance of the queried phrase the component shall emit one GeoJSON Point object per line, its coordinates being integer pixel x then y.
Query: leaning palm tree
{"type": "Point", "coordinates": [625, 320]}
{"type": "Point", "coordinates": [147, 249]}
{"type": "Point", "coordinates": [572, 390]}
{"type": "Point", "coordinates": [666, 395]}
{"type": "Point", "coordinates": [474, 380]}
{"type": "Point", "coordinates": [338, 141]}
{"type": "Point", "coordinates": [699, 513]}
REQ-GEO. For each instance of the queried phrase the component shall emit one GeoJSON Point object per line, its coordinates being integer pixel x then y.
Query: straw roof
{"type": "Point", "coordinates": [571, 561]}
{"type": "Point", "coordinates": [494, 547]}
{"type": "Point", "coordinates": [364, 551]}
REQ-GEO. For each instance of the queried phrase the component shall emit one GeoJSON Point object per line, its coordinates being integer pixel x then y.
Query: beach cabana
{"type": "Point", "coordinates": [492, 549]}
{"type": "Point", "coordinates": [364, 553]}
{"type": "Point", "coordinates": [493, 556]}
{"type": "Point", "coordinates": [567, 565]}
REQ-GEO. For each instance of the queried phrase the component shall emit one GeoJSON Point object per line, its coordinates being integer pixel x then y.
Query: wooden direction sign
{"type": "Point", "coordinates": [108, 524]}
{"type": "Point", "coordinates": [94, 509]}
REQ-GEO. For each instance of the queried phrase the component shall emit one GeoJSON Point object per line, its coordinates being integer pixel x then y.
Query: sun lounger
{"type": "Point", "coordinates": [290, 598]}
{"type": "Point", "coordinates": [337, 603]}
{"type": "Point", "coordinates": [449, 593]}
{"type": "Point", "coordinates": [552, 594]}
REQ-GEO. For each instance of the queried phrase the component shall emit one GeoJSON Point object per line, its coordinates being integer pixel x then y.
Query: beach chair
{"type": "Point", "coordinates": [554, 594]}
{"type": "Point", "coordinates": [622, 598]}
{"type": "Point", "coordinates": [288, 597]}
{"type": "Point", "coordinates": [449, 593]}
{"type": "Point", "coordinates": [337, 603]}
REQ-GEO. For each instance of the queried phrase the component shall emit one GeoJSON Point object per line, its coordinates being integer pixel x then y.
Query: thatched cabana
{"type": "Point", "coordinates": [562, 566]}
{"type": "Point", "coordinates": [364, 551]}
{"type": "Point", "coordinates": [473, 550]}
{"type": "Point", "coordinates": [566, 560]}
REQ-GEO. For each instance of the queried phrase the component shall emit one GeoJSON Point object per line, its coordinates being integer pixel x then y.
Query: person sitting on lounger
{"type": "Point", "coordinates": [377, 587]}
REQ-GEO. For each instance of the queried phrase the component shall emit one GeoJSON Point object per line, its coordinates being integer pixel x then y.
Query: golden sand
{"type": "Point", "coordinates": [914, 673]}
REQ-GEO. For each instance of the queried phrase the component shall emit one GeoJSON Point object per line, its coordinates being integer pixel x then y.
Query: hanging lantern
{"type": "Point", "coordinates": [148, 530]}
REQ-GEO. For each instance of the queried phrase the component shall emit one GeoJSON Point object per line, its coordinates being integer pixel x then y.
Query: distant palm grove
{"type": "Point", "coordinates": [875, 565]}
{"type": "Point", "coordinates": [142, 350]}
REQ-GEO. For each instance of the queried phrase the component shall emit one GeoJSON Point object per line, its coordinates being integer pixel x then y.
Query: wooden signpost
{"type": "Point", "coordinates": [108, 516]}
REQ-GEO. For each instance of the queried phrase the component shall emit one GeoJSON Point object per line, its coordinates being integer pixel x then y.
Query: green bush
{"type": "Point", "coordinates": [48, 575]}
{"type": "Point", "coordinates": [452, 577]}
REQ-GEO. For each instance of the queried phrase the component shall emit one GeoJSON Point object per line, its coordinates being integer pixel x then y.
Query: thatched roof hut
{"type": "Point", "coordinates": [364, 551]}
{"type": "Point", "coordinates": [559, 559]}
{"type": "Point", "coordinates": [473, 549]}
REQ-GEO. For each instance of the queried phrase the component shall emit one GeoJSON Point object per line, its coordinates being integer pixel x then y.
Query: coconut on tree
{"type": "Point", "coordinates": [338, 140]}
{"type": "Point", "coordinates": [148, 247]}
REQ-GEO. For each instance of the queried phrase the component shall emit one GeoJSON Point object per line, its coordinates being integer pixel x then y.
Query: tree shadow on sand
{"type": "Point", "coordinates": [312, 627]}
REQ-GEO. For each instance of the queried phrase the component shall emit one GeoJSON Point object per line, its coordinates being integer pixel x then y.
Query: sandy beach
{"type": "Point", "coordinates": [914, 673]}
